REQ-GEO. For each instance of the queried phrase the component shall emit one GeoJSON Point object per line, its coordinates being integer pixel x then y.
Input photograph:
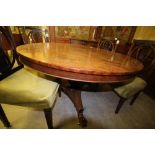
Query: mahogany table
{"type": "Point", "coordinates": [79, 63]}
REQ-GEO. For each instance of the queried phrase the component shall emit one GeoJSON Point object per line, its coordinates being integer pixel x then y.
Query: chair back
{"type": "Point", "coordinates": [145, 53]}
{"type": "Point", "coordinates": [8, 58]}
{"type": "Point", "coordinates": [34, 35]}
{"type": "Point", "coordinates": [110, 45]}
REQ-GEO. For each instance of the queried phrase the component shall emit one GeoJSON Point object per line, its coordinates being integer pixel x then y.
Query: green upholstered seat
{"type": "Point", "coordinates": [25, 88]}
{"type": "Point", "coordinates": [132, 88]}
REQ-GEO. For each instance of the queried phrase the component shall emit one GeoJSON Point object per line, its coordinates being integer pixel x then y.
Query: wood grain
{"type": "Point", "coordinates": [76, 76]}
{"type": "Point", "coordinates": [79, 59]}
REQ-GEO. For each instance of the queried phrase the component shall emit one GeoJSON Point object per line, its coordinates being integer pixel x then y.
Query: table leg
{"type": "Point", "coordinates": [75, 97]}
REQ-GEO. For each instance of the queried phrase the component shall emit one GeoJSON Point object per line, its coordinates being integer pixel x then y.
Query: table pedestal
{"type": "Point", "coordinates": [75, 97]}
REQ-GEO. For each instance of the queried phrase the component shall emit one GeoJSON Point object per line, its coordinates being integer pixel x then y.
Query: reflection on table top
{"type": "Point", "coordinates": [80, 59]}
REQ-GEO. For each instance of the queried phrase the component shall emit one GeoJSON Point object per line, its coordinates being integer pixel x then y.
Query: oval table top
{"type": "Point", "coordinates": [79, 60]}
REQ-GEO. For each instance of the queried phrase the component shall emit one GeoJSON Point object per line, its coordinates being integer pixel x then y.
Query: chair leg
{"type": "Point", "coordinates": [134, 98]}
{"type": "Point", "coordinates": [4, 118]}
{"type": "Point", "coordinates": [59, 91]}
{"type": "Point", "coordinates": [121, 102]}
{"type": "Point", "coordinates": [48, 116]}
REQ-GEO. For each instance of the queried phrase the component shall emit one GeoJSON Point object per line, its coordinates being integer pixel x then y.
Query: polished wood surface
{"type": "Point", "coordinates": [76, 76]}
{"type": "Point", "coordinates": [79, 59]}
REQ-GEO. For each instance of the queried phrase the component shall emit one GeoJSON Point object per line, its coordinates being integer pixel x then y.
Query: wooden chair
{"type": "Point", "coordinates": [34, 35]}
{"type": "Point", "coordinates": [108, 44]}
{"type": "Point", "coordinates": [19, 86]}
{"type": "Point", "coordinates": [146, 54]}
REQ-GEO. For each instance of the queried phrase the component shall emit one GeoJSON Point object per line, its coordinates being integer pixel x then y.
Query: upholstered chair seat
{"type": "Point", "coordinates": [24, 88]}
{"type": "Point", "coordinates": [132, 88]}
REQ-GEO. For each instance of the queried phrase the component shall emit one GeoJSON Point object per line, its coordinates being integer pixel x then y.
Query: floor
{"type": "Point", "coordinates": [98, 108]}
